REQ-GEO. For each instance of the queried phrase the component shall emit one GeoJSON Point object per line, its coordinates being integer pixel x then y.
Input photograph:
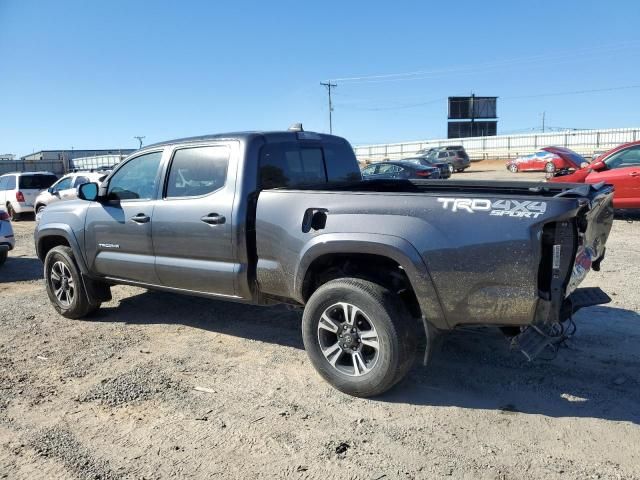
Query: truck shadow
{"type": "Point", "coordinates": [21, 269]}
{"type": "Point", "coordinates": [594, 375]}
{"type": "Point", "coordinates": [277, 324]}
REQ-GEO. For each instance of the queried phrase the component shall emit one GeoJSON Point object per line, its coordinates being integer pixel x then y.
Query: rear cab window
{"type": "Point", "coordinates": [294, 164]}
{"type": "Point", "coordinates": [36, 182]}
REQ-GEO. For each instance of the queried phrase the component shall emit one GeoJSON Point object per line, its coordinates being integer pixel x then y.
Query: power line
{"type": "Point", "coordinates": [431, 73]}
{"type": "Point", "coordinates": [574, 92]}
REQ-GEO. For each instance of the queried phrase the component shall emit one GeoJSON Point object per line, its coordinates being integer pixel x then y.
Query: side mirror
{"type": "Point", "coordinates": [50, 189]}
{"type": "Point", "coordinates": [88, 191]}
{"type": "Point", "coordinates": [598, 165]}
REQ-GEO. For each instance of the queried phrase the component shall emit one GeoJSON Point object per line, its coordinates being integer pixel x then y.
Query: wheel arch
{"type": "Point", "coordinates": [55, 235]}
{"type": "Point", "coordinates": [366, 253]}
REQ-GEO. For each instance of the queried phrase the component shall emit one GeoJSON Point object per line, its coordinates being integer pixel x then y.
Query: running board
{"type": "Point", "coordinates": [535, 338]}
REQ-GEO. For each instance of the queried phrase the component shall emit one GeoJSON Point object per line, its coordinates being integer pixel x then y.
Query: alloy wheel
{"type": "Point", "coordinates": [62, 283]}
{"type": "Point", "coordinates": [348, 339]}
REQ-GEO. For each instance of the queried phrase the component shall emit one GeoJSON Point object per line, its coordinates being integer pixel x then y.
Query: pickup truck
{"type": "Point", "coordinates": [379, 267]}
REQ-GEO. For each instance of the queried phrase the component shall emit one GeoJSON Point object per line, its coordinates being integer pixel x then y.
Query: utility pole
{"type": "Point", "coordinates": [139, 139]}
{"type": "Point", "coordinates": [329, 85]}
{"type": "Point", "coordinates": [543, 115]}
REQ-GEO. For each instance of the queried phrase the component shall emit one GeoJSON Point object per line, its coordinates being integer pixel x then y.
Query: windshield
{"type": "Point", "coordinates": [36, 182]}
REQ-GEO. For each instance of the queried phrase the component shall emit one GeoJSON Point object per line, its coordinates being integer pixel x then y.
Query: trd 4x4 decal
{"type": "Point", "coordinates": [500, 208]}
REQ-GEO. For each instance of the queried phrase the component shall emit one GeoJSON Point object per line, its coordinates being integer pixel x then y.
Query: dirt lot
{"type": "Point", "coordinates": [157, 386]}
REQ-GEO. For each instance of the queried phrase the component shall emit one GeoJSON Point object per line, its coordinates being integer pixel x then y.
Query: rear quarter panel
{"type": "Point", "coordinates": [483, 268]}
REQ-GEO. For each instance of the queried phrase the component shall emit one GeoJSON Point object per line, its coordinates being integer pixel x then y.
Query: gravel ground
{"type": "Point", "coordinates": [156, 385]}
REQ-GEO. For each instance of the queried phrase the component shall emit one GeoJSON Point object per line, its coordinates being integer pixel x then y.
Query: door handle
{"type": "Point", "coordinates": [213, 219]}
{"type": "Point", "coordinates": [634, 174]}
{"type": "Point", "coordinates": [141, 218]}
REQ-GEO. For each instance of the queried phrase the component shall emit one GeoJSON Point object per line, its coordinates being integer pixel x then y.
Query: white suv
{"type": "Point", "coordinates": [19, 190]}
{"type": "Point", "coordinates": [66, 188]}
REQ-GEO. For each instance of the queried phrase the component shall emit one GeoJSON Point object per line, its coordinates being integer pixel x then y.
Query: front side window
{"type": "Point", "coordinates": [137, 179]}
{"type": "Point", "coordinates": [197, 171]}
{"type": "Point", "coordinates": [626, 158]}
{"type": "Point", "coordinates": [63, 184]}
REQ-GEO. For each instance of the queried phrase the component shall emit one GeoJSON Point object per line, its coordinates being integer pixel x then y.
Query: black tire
{"type": "Point", "coordinates": [3, 257]}
{"type": "Point", "coordinates": [549, 167]}
{"type": "Point", "coordinates": [396, 333]}
{"type": "Point", "coordinates": [40, 208]}
{"type": "Point", "coordinates": [80, 304]}
{"type": "Point", "coordinates": [15, 217]}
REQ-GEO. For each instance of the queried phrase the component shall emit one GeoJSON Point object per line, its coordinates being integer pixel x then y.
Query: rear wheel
{"type": "Point", "coordinates": [550, 167]}
{"type": "Point", "coordinates": [12, 213]}
{"type": "Point", "coordinates": [65, 286]}
{"type": "Point", "coordinates": [513, 168]}
{"type": "Point", "coordinates": [358, 336]}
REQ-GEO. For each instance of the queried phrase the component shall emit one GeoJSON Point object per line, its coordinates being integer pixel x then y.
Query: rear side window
{"type": "Point", "coordinates": [80, 180]}
{"type": "Point", "coordinates": [197, 171]}
{"type": "Point", "coordinates": [36, 182]}
{"type": "Point", "coordinates": [3, 183]}
{"type": "Point", "coordinates": [11, 183]}
{"type": "Point", "coordinates": [290, 164]}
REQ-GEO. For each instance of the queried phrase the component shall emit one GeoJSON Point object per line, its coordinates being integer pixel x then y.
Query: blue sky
{"type": "Point", "coordinates": [88, 74]}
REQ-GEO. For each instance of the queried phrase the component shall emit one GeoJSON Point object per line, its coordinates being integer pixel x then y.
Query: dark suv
{"type": "Point", "coordinates": [455, 155]}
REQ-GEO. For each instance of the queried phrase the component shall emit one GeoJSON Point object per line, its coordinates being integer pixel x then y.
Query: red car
{"type": "Point", "coordinates": [619, 167]}
{"type": "Point", "coordinates": [549, 159]}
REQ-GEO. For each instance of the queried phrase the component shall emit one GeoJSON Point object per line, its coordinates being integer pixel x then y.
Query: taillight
{"type": "Point", "coordinates": [422, 173]}
{"type": "Point", "coordinates": [19, 197]}
{"type": "Point", "coordinates": [4, 216]}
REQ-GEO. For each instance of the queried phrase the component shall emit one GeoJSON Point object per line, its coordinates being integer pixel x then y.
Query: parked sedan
{"type": "Point", "coordinates": [619, 167]}
{"type": "Point", "coordinates": [7, 240]}
{"type": "Point", "coordinates": [399, 170]}
{"type": "Point", "coordinates": [548, 159]}
{"type": "Point", "coordinates": [444, 167]}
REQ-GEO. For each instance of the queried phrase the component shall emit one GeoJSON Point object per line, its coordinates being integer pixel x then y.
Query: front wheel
{"type": "Point", "coordinates": [359, 336]}
{"type": "Point", "coordinates": [513, 168]}
{"type": "Point", "coordinates": [450, 168]}
{"type": "Point", "coordinates": [3, 257]}
{"type": "Point", "coordinates": [65, 286]}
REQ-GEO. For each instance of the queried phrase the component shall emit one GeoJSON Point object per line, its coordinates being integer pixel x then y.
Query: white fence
{"type": "Point", "coordinates": [585, 142]}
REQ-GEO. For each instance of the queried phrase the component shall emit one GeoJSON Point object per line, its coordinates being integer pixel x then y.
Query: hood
{"type": "Point", "coordinates": [568, 155]}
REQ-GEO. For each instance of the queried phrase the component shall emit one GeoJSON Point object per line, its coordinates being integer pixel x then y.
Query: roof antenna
{"type": "Point", "coordinates": [296, 127]}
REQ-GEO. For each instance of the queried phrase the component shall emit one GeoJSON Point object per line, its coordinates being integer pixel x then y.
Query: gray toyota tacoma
{"type": "Point", "coordinates": [379, 267]}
